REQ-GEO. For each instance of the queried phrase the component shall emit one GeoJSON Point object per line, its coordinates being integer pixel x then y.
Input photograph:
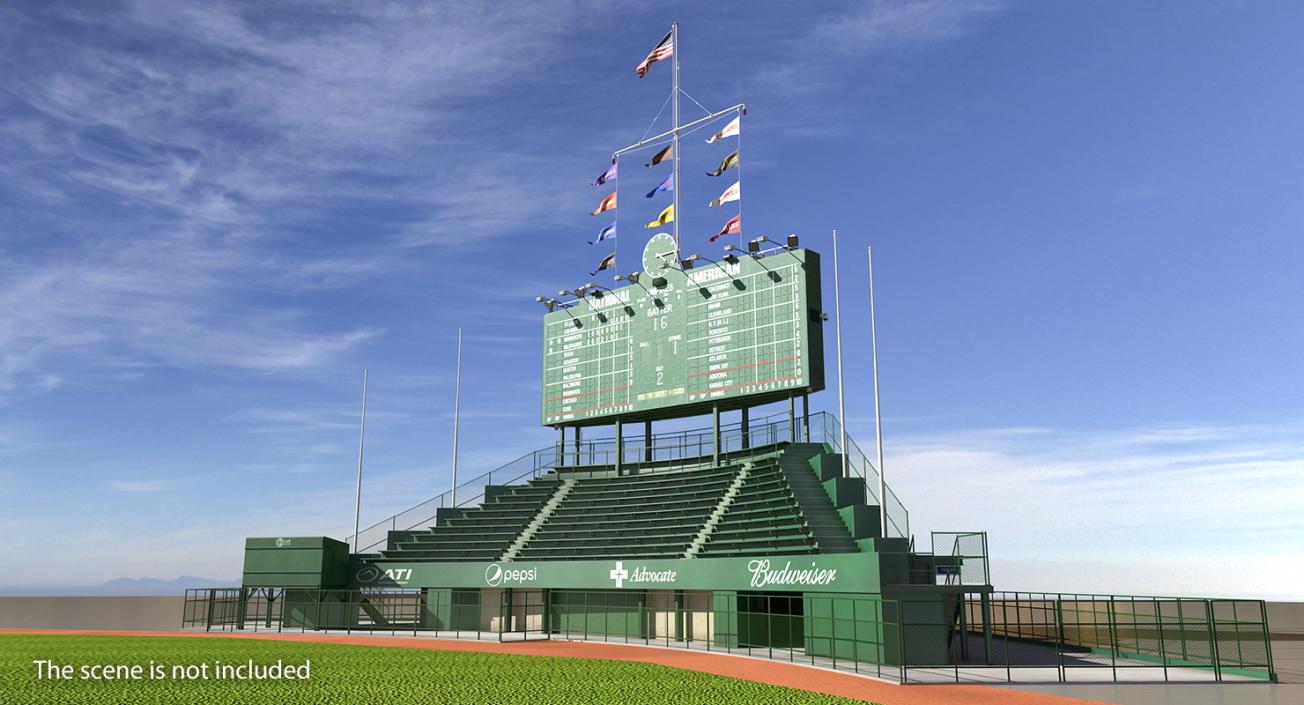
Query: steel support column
{"type": "Point", "coordinates": [578, 439]}
{"type": "Point", "coordinates": [715, 434]}
{"type": "Point", "coordinates": [620, 446]}
{"type": "Point", "coordinates": [987, 627]}
{"type": "Point", "coordinates": [792, 418]}
{"type": "Point", "coordinates": [747, 428]}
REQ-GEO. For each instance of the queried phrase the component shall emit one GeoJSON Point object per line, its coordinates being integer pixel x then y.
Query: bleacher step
{"type": "Point", "coordinates": [563, 488]}
{"type": "Point", "coordinates": [716, 515]}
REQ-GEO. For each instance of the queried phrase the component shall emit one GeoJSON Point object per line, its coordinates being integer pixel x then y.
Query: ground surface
{"type": "Point", "coordinates": [362, 674]}
{"type": "Point", "coordinates": [348, 669]}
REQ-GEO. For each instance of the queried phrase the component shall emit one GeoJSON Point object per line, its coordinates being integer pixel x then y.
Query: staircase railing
{"type": "Point", "coordinates": [665, 448]}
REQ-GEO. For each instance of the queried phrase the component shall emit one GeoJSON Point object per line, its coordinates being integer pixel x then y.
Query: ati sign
{"type": "Point", "coordinates": [370, 573]}
{"type": "Point", "coordinates": [641, 575]}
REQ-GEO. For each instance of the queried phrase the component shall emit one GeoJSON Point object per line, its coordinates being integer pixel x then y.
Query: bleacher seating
{"type": "Point", "coordinates": [762, 519]}
{"type": "Point", "coordinates": [482, 533]}
{"type": "Point", "coordinates": [640, 516]}
{"type": "Point", "coordinates": [608, 516]}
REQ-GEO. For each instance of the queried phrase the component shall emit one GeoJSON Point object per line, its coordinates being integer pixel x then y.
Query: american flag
{"type": "Point", "coordinates": [663, 50]}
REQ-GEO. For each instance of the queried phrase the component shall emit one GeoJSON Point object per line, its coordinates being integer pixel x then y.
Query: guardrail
{"type": "Point", "coordinates": [1015, 637]}
{"type": "Point", "coordinates": [675, 446]}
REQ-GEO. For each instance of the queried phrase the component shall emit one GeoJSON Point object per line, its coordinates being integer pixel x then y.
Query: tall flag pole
{"type": "Point", "coordinates": [457, 412]}
{"type": "Point", "coordinates": [362, 441]}
{"type": "Point", "coordinates": [837, 313]}
{"type": "Point", "coordinates": [878, 415]}
{"type": "Point", "coordinates": [674, 135]}
{"type": "Point", "coordinates": [615, 244]}
{"type": "Point", "coordinates": [738, 149]}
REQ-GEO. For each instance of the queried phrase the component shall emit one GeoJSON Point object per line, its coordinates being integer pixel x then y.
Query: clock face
{"type": "Point", "coordinates": [659, 255]}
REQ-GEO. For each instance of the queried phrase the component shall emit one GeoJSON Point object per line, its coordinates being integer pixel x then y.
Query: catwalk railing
{"type": "Point", "coordinates": [1074, 634]}
{"type": "Point", "coordinates": [666, 450]}
{"type": "Point", "coordinates": [1016, 637]}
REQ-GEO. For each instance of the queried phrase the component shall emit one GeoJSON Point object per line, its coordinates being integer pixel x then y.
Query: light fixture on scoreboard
{"type": "Point", "coordinates": [597, 290]}
{"type": "Point", "coordinates": [582, 293]}
{"type": "Point", "coordinates": [695, 257]}
{"type": "Point", "coordinates": [548, 303]}
{"type": "Point", "coordinates": [634, 279]}
{"type": "Point", "coordinates": [754, 245]}
{"type": "Point", "coordinates": [731, 254]}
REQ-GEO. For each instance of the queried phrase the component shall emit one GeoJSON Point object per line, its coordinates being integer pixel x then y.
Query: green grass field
{"type": "Point", "coordinates": [360, 674]}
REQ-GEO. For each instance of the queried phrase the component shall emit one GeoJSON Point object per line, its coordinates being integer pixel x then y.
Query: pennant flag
{"type": "Point", "coordinates": [729, 162]}
{"type": "Point", "coordinates": [607, 175]}
{"type": "Point", "coordinates": [733, 226]}
{"type": "Point", "coordinates": [608, 232]}
{"type": "Point", "coordinates": [607, 263]}
{"type": "Point", "coordinates": [667, 215]}
{"type": "Point", "coordinates": [732, 193]}
{"type": "Point", "coordinates": [663, 50]}
{"type": "Point", "coordinates": [663, 155]}
{"type": "Point", "coordinates": [667, 185]}
{"type": "Point", "coordinates": [730, 130]}
{"type": "Point", "coordinates": [607, 204]}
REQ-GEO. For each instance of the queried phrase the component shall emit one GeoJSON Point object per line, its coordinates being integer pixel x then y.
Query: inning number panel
{"type": "Point", "coordinates": [713, 334]}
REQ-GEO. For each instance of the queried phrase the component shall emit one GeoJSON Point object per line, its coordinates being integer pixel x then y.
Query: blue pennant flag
{"type": "Point", "coordinates": [608, 232]}
{"type": "Point", "coordinates": [667, 185]}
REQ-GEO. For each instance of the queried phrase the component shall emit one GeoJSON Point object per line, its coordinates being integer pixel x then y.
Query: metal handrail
{"type": "Point", "coordinates": [666, 447]}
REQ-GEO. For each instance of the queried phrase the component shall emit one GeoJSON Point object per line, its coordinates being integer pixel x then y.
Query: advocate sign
{"type": "Point", "coordinates": [843, 572]}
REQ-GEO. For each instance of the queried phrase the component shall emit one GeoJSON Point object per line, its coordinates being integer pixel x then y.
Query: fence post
{"type": "Point", "coordinates": [1113, 639]}
{"type": "Point", "coordinates": [212, 596]}
{"type": "Point", "coordinates": [1059, 640]}
{"type": "Point", "coordinates": [1163, 650]}
{"type": "Point", "coordinates": [1213, 639]}
{"type": "Point", "coordinates": [1267, 639]}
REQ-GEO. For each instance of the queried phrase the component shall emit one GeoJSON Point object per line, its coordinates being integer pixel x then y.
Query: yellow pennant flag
{"type": "Point", "coordinates": [667, 215]}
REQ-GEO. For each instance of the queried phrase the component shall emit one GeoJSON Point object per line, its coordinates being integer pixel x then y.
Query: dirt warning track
{"type": "Point", "coordinates": [789, 675]}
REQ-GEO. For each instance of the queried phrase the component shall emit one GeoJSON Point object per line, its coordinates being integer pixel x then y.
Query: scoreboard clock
{"type": "Point", "coordinates": [738, 332]}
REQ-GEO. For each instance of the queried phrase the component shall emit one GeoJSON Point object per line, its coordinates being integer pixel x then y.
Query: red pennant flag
{"type": "Point", "coordinates": [733, 226]}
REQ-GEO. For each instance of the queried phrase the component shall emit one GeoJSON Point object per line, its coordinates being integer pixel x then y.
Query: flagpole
{"type": "Point", "coordinates": [616, 245]}
{"type": "Point", "coordinates": [837, 312]}
{"type": "Point", "coordinates": [740, 180]}
{"type": "Point", "coordinates": [878, 415]}
{"type": "Point", "coordinates": [674, 139]}
{"type": "Point", "coordinates": [362, 440]}
{"type": "Point", "coordinates": [457, 412]}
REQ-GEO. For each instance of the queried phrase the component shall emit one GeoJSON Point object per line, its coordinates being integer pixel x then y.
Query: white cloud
{"type": "Point", "coordinates": [1212, 505]}
{"type": "Point", "coordinates": [204, 146]}
{"type": "Point", "coordinates": [884, 24]}
{"type": "Point", "coordinates": [138, 486]}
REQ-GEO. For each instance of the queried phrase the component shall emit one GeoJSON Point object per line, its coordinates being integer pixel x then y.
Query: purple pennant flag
{"type": "Point", "coordinates": [607, 175]}
{"type": "Point", "coordinates": [667, 185]}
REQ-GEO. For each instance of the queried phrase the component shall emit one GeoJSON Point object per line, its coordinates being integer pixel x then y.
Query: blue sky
{"type": "Point", "coordinates": [1087, 221]}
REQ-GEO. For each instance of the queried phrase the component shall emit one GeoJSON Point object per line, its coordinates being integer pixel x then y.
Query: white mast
{"type": "Point", "coordinates": [457, 411]}
{"type": "Point", "coordinates": [837, 313]}
{"type": "Point", "coordinates": [878, 415]}
{"type": "Point", "coordinates": [674, 135]}
{"type": "Point", "coordinates": [362, 441]}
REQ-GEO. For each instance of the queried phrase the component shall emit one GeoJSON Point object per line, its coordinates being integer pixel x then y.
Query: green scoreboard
{"type": "Point", "coordinates": [737, 332]}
